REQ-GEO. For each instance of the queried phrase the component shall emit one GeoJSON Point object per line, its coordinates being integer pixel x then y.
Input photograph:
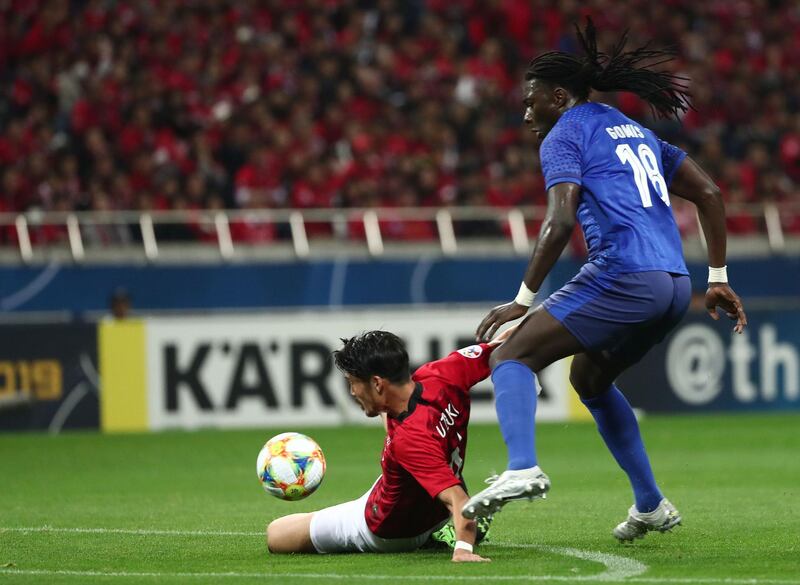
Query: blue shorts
{"type": "Point", "coordinates": [623, 315]}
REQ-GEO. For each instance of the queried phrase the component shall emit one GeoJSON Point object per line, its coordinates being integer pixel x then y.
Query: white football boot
{"type": "Point", "coordinates": [510, 485]}
{"type": "Point", "coordinates": [663, 519]}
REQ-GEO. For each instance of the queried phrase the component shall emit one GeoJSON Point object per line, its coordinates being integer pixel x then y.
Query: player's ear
{"type": "Point", "coordinates": [560, 96]}
{"type": "Point", "coordinates": [377, 384]}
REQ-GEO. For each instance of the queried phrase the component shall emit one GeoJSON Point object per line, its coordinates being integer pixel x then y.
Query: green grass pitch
{"type": "Point", "coordinates": [185, 507]}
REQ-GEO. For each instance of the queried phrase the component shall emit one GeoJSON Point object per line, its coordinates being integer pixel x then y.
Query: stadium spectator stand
{"type": "Point", "coordinates": [246, 104]}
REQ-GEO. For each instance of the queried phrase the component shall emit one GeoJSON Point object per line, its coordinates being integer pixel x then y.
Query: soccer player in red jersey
{"type": "Point", "coordinates": [420, 487]}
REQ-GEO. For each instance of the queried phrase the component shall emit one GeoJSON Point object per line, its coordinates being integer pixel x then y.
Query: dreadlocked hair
{"type": "Point", "coordinates": [621, 71]}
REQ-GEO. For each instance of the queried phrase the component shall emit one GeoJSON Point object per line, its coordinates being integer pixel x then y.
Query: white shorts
{"type": "Point", "coordinates": [343, 528]}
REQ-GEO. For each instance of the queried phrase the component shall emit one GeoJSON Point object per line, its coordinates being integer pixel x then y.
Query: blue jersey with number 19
{"type": "Point", "coordinates": [624, 172]}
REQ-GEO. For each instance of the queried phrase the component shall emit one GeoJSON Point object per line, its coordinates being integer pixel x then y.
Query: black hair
{"type": "Point", "coordinates": [664, 91]}
{"type": "Point", "coordinates": [374, 353]}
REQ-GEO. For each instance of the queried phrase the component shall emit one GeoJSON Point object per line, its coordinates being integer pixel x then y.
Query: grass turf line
{"type": "Point", "coordinates": [736, 479]}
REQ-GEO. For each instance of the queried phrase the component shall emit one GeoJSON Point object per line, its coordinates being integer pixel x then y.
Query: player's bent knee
{"type": "Point", "coordinates": [290, 534]}
{"type": "Point", "coordinates": [581, 385]}
{"type": "Point", "coordinates": [588, 382]}
{"type": "Point", "coordinates": [279, 537]}
{"type": "Point", "coordinates": [272, 537]}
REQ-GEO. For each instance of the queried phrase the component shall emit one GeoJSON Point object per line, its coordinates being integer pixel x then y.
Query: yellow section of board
{"type": "Point", "coordinates": [575, 408]}
{"type": "Point", "coordinates": [123, 376]}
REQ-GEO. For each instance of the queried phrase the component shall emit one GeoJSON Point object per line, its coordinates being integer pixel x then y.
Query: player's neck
{"type": "Point", "coordinates": [397, 399]}
{"type": "Point", "coordinates": [572, 103]}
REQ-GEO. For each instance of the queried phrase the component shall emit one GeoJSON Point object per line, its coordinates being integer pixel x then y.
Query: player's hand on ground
{"type": "Point", "coordinates": [462, 556]}
{"type": "Point", "coordinates": [496, 317]}
{"type": "Point", "coordinates": [721, 295]}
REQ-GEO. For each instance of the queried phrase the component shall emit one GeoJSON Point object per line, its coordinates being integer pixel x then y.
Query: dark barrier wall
{"type": "Point", "coordinates": [702, 366]}
{"type": "Point", "coordinates": [48, 376]}
{"type": "Point", "coordinates": [333, 283]}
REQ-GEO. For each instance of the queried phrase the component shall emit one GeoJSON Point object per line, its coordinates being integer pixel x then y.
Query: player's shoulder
{"type": "Point", "coordinates": [433, 373]}
{"type": "Point", "coordinates": [436, 383]}
{"type": "Point", "coordinates": [575, 124]}
{"type": "Point", "coordinates": [565, 131]}
{"type": "Point", "coordinates": [424, 374]}
{"type": "Point", "coordinates": [453, 360]}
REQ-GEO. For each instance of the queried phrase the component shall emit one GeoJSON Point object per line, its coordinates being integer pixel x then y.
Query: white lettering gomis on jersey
{"type": "Point", "coordinates": [625, 131]}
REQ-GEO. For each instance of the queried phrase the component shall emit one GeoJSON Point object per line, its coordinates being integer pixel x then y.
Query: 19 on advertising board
{"type": "Point", "coordinates": [276, 370]}
{"type": "Point", "coordinates": [48, 376]}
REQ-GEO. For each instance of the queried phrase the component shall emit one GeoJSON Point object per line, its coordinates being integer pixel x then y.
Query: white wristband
{"type": "Point", "coordinates": [460, 544]}
{"type": "Point", "coordinates": [718, 274]}
{"type": "Point", "coordinates": [525, 296]}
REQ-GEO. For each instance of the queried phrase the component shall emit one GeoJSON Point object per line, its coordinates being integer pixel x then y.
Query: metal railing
{"type": "Point", "coordinates": [150, 229]}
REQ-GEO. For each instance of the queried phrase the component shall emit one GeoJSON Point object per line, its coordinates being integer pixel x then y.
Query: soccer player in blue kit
{"type": "Point", "coordinates": [616, 177]}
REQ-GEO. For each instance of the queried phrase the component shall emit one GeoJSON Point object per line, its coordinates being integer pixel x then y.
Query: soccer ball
{"type": "Point", "coordinates": [290, 466]}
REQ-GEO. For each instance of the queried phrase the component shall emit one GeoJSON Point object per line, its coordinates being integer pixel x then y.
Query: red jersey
{"type": "Point", "coordinates": [426, 446]}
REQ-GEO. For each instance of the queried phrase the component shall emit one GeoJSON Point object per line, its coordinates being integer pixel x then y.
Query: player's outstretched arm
{"type": "Point", "coordinates": [693, 184]}
{"type": "Point", "coordinates": [454, 498]}
{"type": "Point", "coordinates": [555, 233]}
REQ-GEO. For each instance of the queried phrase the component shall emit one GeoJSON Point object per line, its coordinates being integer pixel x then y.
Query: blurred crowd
{"type": "Point", "coordinates": [245, 104]}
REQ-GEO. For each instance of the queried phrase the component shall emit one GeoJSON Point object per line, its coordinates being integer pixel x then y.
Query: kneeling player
{"type": "Point", "coordinates": [421, 486]}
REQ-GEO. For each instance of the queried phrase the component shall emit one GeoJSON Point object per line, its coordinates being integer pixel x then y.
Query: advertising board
{"type": "Point", "coordinates": [274, 370]}
{"type": "Point", "coordinates": [48, 376]}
